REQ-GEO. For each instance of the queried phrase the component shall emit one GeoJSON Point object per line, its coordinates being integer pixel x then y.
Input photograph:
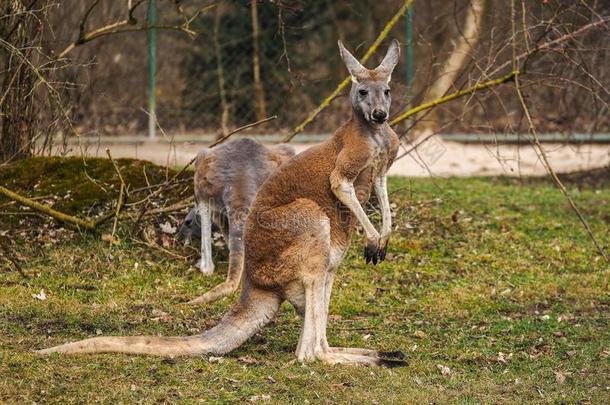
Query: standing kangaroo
{"type": "Point", "coordinates": [227, 178]}
{"type": "Point", "coordinates": [298, 231]}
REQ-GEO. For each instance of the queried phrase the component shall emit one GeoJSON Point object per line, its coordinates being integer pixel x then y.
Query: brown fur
{"type": "Point", "coordinates": [307, 178]}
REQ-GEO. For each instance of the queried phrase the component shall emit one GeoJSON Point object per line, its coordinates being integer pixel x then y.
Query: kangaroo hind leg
{"type": "Point", "coordinates": [236, 264]}
{"type": "Point", "coordinates": [313, 344]}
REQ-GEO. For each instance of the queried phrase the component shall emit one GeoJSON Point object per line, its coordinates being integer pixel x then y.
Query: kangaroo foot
{"type": "Point", "coordinates": [205, 267]}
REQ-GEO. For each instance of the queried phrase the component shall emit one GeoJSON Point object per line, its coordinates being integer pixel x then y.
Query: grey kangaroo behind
{"type": "Point", "coordinates": [227, 178]}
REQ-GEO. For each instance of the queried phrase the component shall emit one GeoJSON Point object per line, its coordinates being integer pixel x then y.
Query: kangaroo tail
{"type": "Point", "coordinates": [255, 309]}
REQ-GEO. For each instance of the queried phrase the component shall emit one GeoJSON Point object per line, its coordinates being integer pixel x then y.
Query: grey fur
{"type": "Point", "coordinates": [355, 68]}
{"type": "Point", "coordinates": [370, 93]}
{"type": "Point", "coordinates": [390, 59]}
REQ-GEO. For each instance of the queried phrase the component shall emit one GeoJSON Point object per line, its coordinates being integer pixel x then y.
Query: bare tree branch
{"type": "Point", "coordinates": [449, 97]}
{"type": "Point", "coordinates": [45, 209]}
{"type": "Point", "coordinates": [117, 27]}
{"type": "Point", "coordinates": [120, 200]}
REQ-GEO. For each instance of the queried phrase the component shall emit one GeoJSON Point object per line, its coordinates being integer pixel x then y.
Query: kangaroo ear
{"type": "Point", "coordinates": [354, 67]}
{"type": "Point", "coordinates": [390, 60]}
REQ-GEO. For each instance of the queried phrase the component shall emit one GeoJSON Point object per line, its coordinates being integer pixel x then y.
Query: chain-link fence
{"type": "Point", "coordinates": [251, 59]}
{"type": "Point", "coordinates": [249, 62]}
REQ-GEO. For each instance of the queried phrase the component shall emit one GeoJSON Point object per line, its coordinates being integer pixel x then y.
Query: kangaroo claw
{"type": "Point", "coordinates": [371, 253]}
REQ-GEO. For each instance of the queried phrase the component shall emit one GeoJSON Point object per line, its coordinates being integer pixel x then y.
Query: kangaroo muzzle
{"type": "Point", "coordinates": [379, 116]}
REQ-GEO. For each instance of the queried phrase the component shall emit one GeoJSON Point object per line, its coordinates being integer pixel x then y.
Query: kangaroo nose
{"type": "Point", "coordinates": [379, 115]}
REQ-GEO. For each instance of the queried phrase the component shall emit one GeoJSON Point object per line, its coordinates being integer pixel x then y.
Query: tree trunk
{"type": "Point", "coordinates": [467, 40]}
{"type": "Point", "coordinates": [17, 113]}
{"type": "Point", "coordinates": [259, 91]}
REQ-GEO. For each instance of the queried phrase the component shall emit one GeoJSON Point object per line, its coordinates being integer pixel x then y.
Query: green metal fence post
{"type": "Point", "coordinates": [152, 67]}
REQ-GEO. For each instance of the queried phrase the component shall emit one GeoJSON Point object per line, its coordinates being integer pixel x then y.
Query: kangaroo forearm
{"type": "Point", "coordinates": [344, 191]}
{"type": "Point", "coordinates": [381, 191]}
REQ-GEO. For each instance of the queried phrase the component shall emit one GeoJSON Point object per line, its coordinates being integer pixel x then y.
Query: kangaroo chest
{"type": "Point", "coordinates": [380, 145]}
{"type": "Point", "coordinates": [376, 166]}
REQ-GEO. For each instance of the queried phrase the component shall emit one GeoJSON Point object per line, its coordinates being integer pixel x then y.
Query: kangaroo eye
{"type": "Point", "coordinates": [387, 92]}
{"type": "Point", "coordinates": [363, 92]}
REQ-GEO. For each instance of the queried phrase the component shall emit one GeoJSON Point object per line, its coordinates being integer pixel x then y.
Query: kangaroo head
{"type": "Point", "coordinates": [191, 227]}
{"type": "Point", "coordinates": [370, 94]}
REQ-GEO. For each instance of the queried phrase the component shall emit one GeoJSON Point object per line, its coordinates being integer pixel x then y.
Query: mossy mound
{"type": "Point", "coordinates": [74, 185]}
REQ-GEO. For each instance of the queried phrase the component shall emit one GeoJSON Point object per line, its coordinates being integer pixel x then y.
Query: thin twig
{"type": "Point", "coordinates": [120, 200]}
{"type": "Point", "coordinates": [153, 244]}
{"type": "Point", "coordinates": [253, 124]}
{"type": "Point", "coordinates": [179, 206]}
{"type": "Point", "coordinates": [282, 32]}
{"type": "Point", "coordinates": [551, 171]}
{"type": "Point", "coordinates": [10, 258]}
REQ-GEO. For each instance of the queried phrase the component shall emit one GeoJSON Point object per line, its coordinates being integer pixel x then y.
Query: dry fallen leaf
{"type": "Point", "coordinates": [40, 296]}
{"type": "Point", "coordinates": [560, 377]}
{"type": "Point", "coordinates": [420, 334]}
{"type": "Point", "coordinates": [444, 369]}
{"type": "Point", "coordinates": [503, 357]}
{"type": "Point", "coordinates": [166, 227]}
{"type": "Point", "coordinates": [260, 398]}
{"type": "Point", "coordinates": [162, 316]}
{"type": "Point", "coordinates": [247, 360]}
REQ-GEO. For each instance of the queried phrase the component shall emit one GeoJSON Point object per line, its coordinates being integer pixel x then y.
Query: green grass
{"type": "Point", "coordinates": [499, 276]}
